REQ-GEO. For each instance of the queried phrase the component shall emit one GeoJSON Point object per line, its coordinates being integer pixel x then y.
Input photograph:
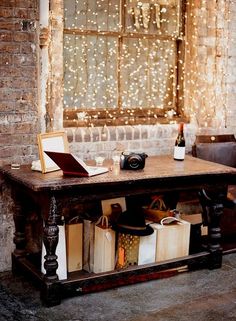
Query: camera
{"type": "Point", "coordinates": [129, 160]}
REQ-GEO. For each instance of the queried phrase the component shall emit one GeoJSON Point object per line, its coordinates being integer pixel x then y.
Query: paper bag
{"type": "Point", "coordinates": [74, 246]}
{"type": "Point", "coordinates": [127, 250]}
{"type": "Point", "coordinates": [147, 248]}
{"type": "Point", "coordinates": [61, 255]}
{"type": "Point", "coordinates": [88, 245]}
{"type": "Point", "coordinates": [104, 247]}
{"type": "Point", "coordinates": [172, 240]}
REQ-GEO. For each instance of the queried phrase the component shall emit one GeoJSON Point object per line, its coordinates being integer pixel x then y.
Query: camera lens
{"type": "Point", "coordinates": [134, 161]}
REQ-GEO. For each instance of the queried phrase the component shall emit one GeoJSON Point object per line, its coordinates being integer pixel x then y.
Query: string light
{"type": "Point", "coordinates": [132, 67]}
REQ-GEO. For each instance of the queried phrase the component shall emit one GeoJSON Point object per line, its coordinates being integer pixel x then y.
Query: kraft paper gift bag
{"type": "Point", "coordinates": [104, 246]}
{"type": "Point", "coordinates": [172, 240]}
{"type": "Point", "coordinates": [88, 245]}
{"type": "Point", "coordinates": [61, 255]}
{"type": "Point", "coordinates": [74, 245]}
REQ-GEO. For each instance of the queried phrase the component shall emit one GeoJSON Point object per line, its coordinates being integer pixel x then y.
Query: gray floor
{"type": "Point", "coordinates": [200, 295]}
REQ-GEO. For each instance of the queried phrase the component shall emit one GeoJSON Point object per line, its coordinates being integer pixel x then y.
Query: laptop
{"type": "Point", "coordinates": [74, 166]}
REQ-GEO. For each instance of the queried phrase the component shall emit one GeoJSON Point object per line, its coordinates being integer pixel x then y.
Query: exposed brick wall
{"type": "Point", "coordinates": [18, 100]}
{"type": "Point", "coordinates": [19, 79]}
{"type": "Point", "coordinates": [154, 139]}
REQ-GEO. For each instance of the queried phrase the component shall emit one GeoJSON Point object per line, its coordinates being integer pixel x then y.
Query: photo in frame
{"type": "Point", "coordinates": [55, 142]}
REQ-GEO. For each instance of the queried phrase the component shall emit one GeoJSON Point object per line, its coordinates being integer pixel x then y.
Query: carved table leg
{"type": "Point", "coordinates": [213, 209]}
{"type": "Point", "coordinates": [19, 235]}
{"type": "Point", "coordinates": [19, 238]}
{"type": "Point", "coordinates": [50, 293]}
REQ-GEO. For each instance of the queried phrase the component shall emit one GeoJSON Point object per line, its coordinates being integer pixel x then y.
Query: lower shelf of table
{"type": "Point", "coordinates": [82, 282]}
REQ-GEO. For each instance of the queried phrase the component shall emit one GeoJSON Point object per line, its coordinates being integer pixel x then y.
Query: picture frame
{"type": "Point", "coordinates": [55, 142]}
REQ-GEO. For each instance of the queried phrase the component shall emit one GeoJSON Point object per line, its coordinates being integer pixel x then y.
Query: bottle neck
{"type": "Point", "coordinates": [181, 128]}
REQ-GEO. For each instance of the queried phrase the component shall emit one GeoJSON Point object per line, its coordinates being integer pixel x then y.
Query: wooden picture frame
{"type": "Point", "coordinates": [54, 141]}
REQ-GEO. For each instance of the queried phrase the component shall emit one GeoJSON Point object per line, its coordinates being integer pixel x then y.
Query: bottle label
{"type": "Point", "coordinates": [179, 153]}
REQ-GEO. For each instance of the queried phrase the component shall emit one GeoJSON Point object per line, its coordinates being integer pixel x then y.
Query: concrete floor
{"type": "Point", "coordinates": [202, 295]}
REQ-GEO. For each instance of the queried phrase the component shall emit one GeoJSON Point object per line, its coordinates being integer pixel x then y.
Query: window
{"type": "Point", "coordinates": [122, 61]}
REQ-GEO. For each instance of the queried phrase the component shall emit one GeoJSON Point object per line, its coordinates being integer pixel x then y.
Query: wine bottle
{"type": "Point", "coordinates": [179, 151]}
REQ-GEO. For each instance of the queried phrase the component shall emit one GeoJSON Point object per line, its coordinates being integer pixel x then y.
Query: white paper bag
{"type": "Point", "coordinates": [147, 248]}
{"type": "Point", "coordinates": [61, 255]}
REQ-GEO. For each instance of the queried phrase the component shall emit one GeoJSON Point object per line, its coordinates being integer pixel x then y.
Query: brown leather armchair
{"type": "Point", "coordinates": [221, 149]}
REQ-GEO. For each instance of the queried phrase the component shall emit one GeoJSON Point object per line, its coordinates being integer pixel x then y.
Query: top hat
{"type": "Point", "coordinates": [131, 222]}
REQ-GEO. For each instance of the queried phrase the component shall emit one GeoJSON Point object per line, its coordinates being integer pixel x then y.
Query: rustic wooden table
{"type": "Point", "coordinates": [49, 193]}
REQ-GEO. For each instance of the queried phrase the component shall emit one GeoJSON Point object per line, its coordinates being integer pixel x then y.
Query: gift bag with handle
{"type": "Point", "coordinates": [104, 246]}
{"type": "Point", "coordinates": [74, 244]}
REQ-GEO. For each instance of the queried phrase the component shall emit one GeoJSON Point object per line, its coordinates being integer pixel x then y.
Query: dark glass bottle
{"type": "Point", "coordinates": [179, 151]}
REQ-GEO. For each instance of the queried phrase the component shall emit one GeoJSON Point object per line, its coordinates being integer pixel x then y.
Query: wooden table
{"type": "Point", "coordinates": [49, 193]}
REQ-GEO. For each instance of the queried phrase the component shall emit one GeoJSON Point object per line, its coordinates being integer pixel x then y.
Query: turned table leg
{"type": "Point", "coordinates": [19, 235]}
{"type": "Point", "coordinates": [50, 292]}
{"type": "Point", "coordinates": [213, 210]}
{"type": "Point", "coordinates": [19, 238]}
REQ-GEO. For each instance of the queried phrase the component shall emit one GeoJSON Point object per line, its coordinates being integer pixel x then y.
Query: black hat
{"type": "Point", "coordinates": [132, 222]}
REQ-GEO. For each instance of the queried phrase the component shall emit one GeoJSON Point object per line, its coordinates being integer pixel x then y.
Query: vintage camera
{"type": "Point", "coordinates": [132, 160]}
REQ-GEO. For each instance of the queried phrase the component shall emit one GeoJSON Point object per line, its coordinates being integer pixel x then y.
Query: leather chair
{"type": "Point", "coordinates": [221, 149]}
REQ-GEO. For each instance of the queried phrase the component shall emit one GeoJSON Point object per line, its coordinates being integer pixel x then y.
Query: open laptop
{"type": "Point", "coordinates": [72, 165]}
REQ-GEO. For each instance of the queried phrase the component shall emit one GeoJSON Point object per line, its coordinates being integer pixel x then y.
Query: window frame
{"type": "Point", "coordinates": [132, 116]}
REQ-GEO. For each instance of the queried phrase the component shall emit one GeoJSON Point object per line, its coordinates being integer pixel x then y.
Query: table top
{"type": "Point", "coordinates": [158, 170]}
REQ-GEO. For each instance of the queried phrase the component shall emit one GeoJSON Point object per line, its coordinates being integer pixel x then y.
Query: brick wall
{"type": "Point", "coordinates": [210, 95]}
{"type": "Point", "coordinates": [18, 100]}
{"type": "Point", "coordinates": [152, 139]}
{"type": "Point", "coordinates": [18, 83]}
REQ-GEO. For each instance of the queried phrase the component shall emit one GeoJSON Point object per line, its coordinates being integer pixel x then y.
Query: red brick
{"type": "Point", "coordinates": [26, 4]}
{"type": "Point", "coordinates": [23, 36]}
{"type": "Point", "coordinates": [5, 83]}
{"type": "Point", "coordinates": [18, 83]}
{"type": "Point", "coordinates": [6, 36]}
{"type": "Point", "coordinates": [9, 71]}
{"type": "Point", "coordinates": [24, 60]}
{"type": "Point", "coordinates": [27, 48]}
{"type": "Point", "coordinates": [8, 151]}
{"type": "Point", "coordinates": [6, 12]}
{"type": "Point", "coordinates": [21, 13]}
{"type": "Point", "coordinates": [10, 94]}
{"type": "Point", "coordinates": [28, 72]}
{"type": "Point", "coordinates": [7, 106]}
{"type": "Point", "coordinates": [9, 47]}
{"type": "Point", "coordinates": [7, 3]}
{"type": "Point", "coordinates": [8, 24]}
{"type": "Point", "coordinates": [5, 59]}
